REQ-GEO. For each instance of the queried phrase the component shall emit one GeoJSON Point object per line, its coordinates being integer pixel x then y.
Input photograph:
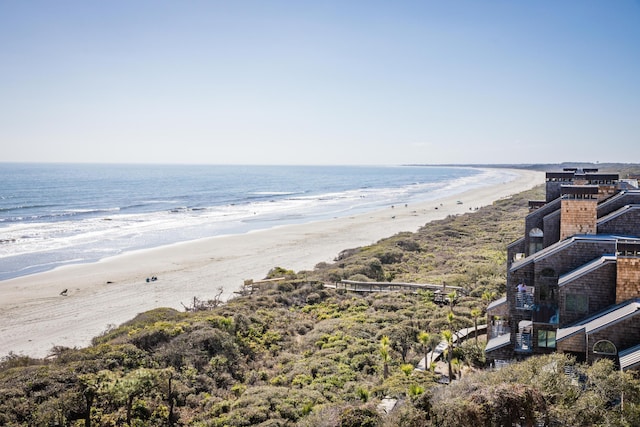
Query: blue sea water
{"type": "Point", "coordinates": [57, 214]}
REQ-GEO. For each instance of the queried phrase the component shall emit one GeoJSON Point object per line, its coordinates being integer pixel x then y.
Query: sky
{"type": "Point", "coordinates": [320, 82]}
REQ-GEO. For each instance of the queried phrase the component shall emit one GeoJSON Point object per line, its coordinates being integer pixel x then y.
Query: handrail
{"type": "Point", "coordinates": [524, 300]}
{"type": "Point", "coordinates": [523, 342]}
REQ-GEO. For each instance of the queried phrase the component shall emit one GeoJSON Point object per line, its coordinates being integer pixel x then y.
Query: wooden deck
{"type": "Point", "coordinates": [440, 291]}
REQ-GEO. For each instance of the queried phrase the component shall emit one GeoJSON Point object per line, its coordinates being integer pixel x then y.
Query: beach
{"type": "Point", "coordinates": [34, 316]}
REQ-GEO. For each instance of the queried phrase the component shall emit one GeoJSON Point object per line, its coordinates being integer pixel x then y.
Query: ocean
{"type": "Point", "coordinates": [58, 214]}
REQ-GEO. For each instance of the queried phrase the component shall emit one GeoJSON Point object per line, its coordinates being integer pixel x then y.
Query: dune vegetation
{"type": "Point", "coordinates": [296, 353]}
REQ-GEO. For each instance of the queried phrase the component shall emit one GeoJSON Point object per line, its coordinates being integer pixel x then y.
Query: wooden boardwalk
{"type": "Point", "coordinates": [458, 336]}
{"type": "Point", "coordinates": [355, 286]}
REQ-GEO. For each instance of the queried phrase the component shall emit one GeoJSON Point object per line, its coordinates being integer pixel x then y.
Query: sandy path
{"type": "Point", "coordinates": [34, 317]}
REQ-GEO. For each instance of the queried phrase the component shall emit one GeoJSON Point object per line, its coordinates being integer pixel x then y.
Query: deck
{"type": "Point", "coordinates": [440, 291]}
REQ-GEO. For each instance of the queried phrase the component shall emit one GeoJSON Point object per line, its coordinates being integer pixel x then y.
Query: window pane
{"type": "Point", "coordinates": [547, 339]}
{"type": "Point", "coordinates": [604, 347]}
{"type": "Point", "coordinates": [551, 339]}
{"type": "Point", "coordinates": [542, 338]}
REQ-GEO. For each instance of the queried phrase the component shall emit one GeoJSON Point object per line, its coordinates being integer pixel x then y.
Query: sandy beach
{"type": "Point", "coordinates": [34, 317]}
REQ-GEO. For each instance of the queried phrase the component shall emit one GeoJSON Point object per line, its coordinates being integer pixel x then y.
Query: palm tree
{"type": "Point", "coordinates": [447, 336]}
{"type": "Point", "coordinates": [435, 341]}
{"type": "Point", "coordinates": [450, 319]}
{"type": "Point", "coordinates": [488, 296]}
{"type": "Point", "coordinates": [452, 299]}
{"type": "Point", "coordinates": [475, 313]}
{"type": "Point", "coordinates": [386, 357]}
{"type": "Point", "coordinates": [425, 339]}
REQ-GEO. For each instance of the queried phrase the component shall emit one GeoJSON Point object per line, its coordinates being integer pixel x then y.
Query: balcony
{"type": "Point", "coordinates": [524, 299]}
{"type": "Point", "coordinates": [523, 343]}
{"type": "Point", "coordinates": [499, 328]}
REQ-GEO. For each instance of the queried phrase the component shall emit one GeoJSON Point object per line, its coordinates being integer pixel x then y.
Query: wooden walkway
{"type": "Point", "coordinates": [355, 286]}
{"type": "Point", "coordinates": [460, 335]}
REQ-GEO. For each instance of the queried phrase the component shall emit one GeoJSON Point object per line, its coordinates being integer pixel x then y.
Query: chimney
{"type": "Point", "coordinates": [628, 270]}
{"type": "Point", "coordinates": [578, 210]}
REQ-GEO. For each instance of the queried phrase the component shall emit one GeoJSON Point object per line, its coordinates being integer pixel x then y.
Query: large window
{"type": "Point", "coordinates": [576, 303]}
{"type": "Point", "coordinates": [605, 347]}
{"type": "Point", "coordinates": [535, 240]}
{"type": "Point", "coordinates": [547, 339]}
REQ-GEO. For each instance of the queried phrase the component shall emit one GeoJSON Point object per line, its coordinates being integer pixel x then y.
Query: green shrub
{"type": "Point", "coordinates": [364, 416]}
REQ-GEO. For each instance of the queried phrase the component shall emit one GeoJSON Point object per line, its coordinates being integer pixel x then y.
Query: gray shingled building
{"type": "Point", "coordinates": [573, 279]}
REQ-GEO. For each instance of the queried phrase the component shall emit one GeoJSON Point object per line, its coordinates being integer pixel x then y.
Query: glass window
{"type": "Point", "coordinates": [535, 247]}
{"type": "Point", "coordinates": [536, 232]}
{"type": "Point", "coordinates": [576, 303]}
{"type": "Point", "coordinates": [605, 347]}
{"type": "Point", "coordinates": [547, 339]}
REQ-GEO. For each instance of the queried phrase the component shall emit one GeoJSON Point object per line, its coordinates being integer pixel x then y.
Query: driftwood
{"type": "Point", "coordinates": [202, 305]}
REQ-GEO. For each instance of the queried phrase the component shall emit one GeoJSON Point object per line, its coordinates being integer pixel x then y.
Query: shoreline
{"type": "Point", "coordinates": [34, 317]}
{"type": "Point", "coordinates": [40, 246]}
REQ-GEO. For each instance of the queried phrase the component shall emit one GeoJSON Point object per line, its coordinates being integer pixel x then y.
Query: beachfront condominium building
{"type": "Point", "coordinates": [573, 278]}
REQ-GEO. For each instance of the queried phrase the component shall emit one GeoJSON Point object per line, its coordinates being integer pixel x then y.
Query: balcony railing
{"type": "Point", "coordinates": [524, 299]}
{"type": "Point", "coordinates": [499, 328]}
{"type": "Point", "coordinates": [523, 342]}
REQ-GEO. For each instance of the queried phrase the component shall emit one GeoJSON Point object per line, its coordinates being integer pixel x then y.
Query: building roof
{"type": "Point", "coordinates": [498, 342]}
{"type": "Point", "coordinates": [603, 319]}
{"type": "Point", "coordinates": [515, 242]}
{"type": "Point", "coordinates": [631, 309]}
{"type": "Point", "coordinates": [556, 175]}
{"type": "Point", "coordinates": [586, 268]}
{"type": "Point", "coordinates": [625, 248]}
{"type": "Point", "coordinates": [497, 303]}
{"type": "Point", "coordinates": [579, 189]}
{"type": "Point", "coordinates": [623, 210]}
{"type": "Point", "coordinates": [558, 246]}
{"type": "Point", "coordinates": [612, 199]}
{"type": "Point", "coordinates": [548, 208]}
{"type": "Point", "coordinates": [589, 174]}
{"type": "Point", "coordinates": [630, 358]}
{"type": "Point", "coordinates": [618, 195]}
{"type": "Point", "coordinates": [628, 184]}
{"type": "Point", "coordinates": [601, 176]}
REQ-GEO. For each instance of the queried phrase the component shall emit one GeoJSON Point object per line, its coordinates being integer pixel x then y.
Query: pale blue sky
{"type": "Point", "coordinates": [320, 82]}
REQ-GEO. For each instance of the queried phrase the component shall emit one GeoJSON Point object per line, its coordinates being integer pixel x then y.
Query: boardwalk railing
{"type": "Point", "coordinates": [251, 285]}
{"type": "Point", "coordinates": [356, 286]}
